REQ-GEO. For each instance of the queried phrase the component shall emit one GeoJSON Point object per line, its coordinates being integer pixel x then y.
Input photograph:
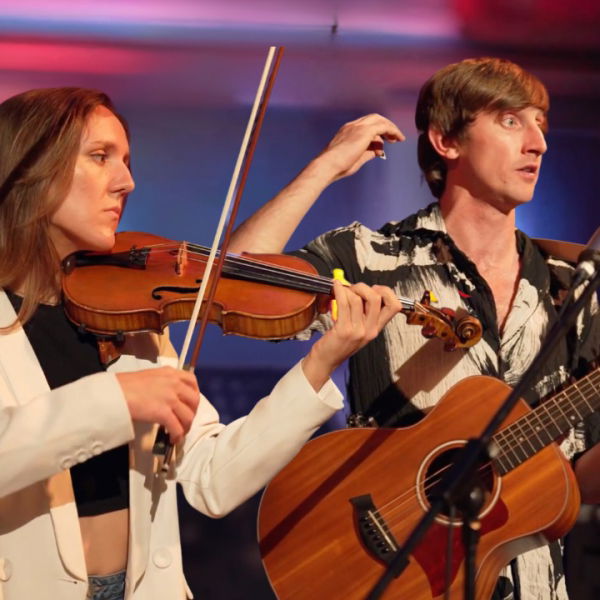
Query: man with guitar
{"type": "Point", "coordinates": [481, 125]}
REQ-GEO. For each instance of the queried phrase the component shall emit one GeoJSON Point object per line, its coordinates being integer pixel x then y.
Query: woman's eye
{"type": "Point", "coordinates": [509, 121]}
{"type": "Point", "coordinates": [100, 156]}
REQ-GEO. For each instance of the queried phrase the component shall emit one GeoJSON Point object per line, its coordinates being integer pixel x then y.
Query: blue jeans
{"type": "Point", "coordinates": [106, 587]}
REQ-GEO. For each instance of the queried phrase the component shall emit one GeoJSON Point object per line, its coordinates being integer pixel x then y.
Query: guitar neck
{"type": "Point", "coordinates": [539, 428]}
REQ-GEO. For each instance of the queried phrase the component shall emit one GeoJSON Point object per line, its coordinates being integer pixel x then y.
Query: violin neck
{"type": "Point", "coordinates": [252, 270]}
{"type": "Point", "coordinates": [286, 277]}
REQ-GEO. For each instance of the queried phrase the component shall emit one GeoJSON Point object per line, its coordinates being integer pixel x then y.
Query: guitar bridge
{"type": "Point", "coordinates": [374, 532]}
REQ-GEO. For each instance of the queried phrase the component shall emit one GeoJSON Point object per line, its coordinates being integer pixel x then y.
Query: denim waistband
{"type": "Point", "coordinates": [106, 587]}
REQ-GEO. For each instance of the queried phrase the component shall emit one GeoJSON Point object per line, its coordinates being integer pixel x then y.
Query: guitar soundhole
{"type": "Point", "coordinates": [437, 469]}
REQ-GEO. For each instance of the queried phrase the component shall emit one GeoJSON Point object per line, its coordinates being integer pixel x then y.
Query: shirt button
{"type": "Point", "coordinates": [5, 569]}
{"type": "Point", "coordinates": [162, 558]}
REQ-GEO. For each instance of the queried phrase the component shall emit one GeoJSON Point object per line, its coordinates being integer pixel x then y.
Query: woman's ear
{"type": "Point", "coordinates": [444, 145]}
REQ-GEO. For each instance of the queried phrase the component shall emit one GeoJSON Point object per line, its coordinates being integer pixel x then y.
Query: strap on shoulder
{"type": "Point", "coordinates": [568, 251]}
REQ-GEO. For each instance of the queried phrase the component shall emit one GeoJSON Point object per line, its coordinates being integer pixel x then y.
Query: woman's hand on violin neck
{"type": "Point", "coordinates": [165, 395]}
{"type": "Point", "coordinates": [363, 312]}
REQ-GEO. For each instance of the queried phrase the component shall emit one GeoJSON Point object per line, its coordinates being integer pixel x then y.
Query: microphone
{"type": "Point", "coordinates": [589, 259]}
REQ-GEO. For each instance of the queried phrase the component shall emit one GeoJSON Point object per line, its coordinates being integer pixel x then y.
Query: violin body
{"type": "Point", "coordinates": [147, 282]}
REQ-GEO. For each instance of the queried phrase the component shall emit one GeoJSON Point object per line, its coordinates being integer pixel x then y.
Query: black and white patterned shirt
{"type": "Point", "coordinates": [400, 374]}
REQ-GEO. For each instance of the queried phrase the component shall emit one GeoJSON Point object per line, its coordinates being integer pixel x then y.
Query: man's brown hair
{"type": "Point", "coordinates": [450, 100]}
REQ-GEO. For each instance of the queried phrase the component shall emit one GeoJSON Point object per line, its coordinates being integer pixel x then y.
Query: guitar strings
{"type": "Point", "coordinates": [508, 447]}
{"type": "Point", "coordinates": [586, 384]}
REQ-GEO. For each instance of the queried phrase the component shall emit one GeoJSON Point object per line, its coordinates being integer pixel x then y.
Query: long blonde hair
{"type": "Point", "coordinates": [40, 135]}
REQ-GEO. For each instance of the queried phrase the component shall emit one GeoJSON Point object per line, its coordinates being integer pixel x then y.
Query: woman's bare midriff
{"type": "Point", "coordinates": [105, 541]}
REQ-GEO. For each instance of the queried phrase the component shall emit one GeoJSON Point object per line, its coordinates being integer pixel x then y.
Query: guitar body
{"type": "Point", "coordinates": [312, 533]}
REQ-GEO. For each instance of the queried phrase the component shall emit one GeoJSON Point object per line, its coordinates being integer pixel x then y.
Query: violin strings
{"type": "Point", "coordinates": [272, 273]}
{"type": "Point", "coordinates": [319, 283]}
{"type": "Point", "coordinates": [258, 267]}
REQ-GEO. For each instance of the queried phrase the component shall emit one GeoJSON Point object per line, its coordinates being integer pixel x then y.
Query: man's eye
{"type": "Point", "coordinates": [509, 121]}
{"type": "Point", "coordinates": [100, 156]}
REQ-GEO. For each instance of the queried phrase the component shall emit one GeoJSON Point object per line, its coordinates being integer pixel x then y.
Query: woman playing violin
{"type": "Point", "coordinates": [81, 513]}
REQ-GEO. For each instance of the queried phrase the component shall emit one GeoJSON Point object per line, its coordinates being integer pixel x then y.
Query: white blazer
{"type": "Point", "coordinates": [44, 432]}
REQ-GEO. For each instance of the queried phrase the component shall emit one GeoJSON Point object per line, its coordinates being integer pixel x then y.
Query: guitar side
{"type": "Point", "coordinates": [310, 537]}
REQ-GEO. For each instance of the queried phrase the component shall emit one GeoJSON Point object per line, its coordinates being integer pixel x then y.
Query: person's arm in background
{"type": "Point", "coordinates": [269, 229]}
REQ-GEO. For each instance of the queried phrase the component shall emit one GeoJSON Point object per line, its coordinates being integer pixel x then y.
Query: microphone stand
{"type": "Point", "coordinates": [469, 506]}
{"type": "Point", "coordinates": [457, 484]}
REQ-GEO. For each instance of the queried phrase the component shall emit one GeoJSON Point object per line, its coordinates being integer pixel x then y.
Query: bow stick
{"type": "Point", "coordinates": [162, 445]}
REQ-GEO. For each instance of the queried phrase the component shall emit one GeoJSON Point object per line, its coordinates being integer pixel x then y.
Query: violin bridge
{"type": "Point", "coordinates": [181, 261]}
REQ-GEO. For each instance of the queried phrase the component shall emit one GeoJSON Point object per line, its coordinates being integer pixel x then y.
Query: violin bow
{"type": "Point", "coordinates": [162, 445]}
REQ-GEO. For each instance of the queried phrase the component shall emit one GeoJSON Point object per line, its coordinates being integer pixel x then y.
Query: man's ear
{"type": "Point", "coordinates": [445, 146]}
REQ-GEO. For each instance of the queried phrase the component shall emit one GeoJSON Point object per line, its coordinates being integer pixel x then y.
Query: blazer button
{"type": "Point", "coordinates": [66, 463]}
{"type": "Point", "coordinates": [5, 569]}
{"type": "Point", "coordinates": [162, 558]}
{"type": "Point", "coordinates": [82, 456]}
{"type": "Point", "coordinates": [96, 448]}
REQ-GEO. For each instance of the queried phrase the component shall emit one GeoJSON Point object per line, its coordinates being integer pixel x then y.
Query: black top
{"type": "Point", "coordinates": [101, 484]}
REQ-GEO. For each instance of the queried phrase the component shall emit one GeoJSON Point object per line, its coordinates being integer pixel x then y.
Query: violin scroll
{"type": "Point", "coordinates": [469, 330]}
{"type": "Point", "coordinates": [442, 323]}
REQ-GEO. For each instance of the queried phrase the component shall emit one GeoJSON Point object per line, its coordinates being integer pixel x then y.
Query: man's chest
{"type": "Point", "coordinates": [503, 285]}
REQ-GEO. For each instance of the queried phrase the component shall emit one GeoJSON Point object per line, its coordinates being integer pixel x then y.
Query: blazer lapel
{"type": "Point", "coordinates": [25, 379]}
{"type": "Point", "coordinates": [66, 524]}
{"type": "Point", "coordinates": [143, 485]}
{"type": "Point", "coordinates": [22, 371]}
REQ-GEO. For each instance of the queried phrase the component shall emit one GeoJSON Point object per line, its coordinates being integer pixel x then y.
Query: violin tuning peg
{"type": "Point", "coordinates": [428, 331]}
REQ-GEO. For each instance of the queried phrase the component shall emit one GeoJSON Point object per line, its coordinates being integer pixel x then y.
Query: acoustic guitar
{"type": "Point", "coordinates": [332, 520]}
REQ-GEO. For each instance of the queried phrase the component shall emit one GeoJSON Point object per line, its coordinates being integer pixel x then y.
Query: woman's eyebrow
{"type": "Point", "coordinates": [106, 145]}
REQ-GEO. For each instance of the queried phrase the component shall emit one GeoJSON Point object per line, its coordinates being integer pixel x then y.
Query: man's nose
{"type": "Point", "coordinates": [535, 141]}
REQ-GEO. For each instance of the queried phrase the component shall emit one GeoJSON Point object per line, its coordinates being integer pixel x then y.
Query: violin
{"type": "Point", "coordinates": [147, 282]}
